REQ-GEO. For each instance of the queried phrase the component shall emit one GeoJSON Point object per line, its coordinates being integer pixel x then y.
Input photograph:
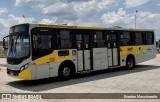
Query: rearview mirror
{"type": "Point", "coordinates": [5, 42]}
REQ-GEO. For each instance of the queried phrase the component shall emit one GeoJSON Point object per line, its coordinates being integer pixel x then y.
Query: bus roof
{"type": "Point", "coordinates": [86, 27]}
{"type": "Point", "coordinates": [90, 27]}
{"type": "Point", "coordinates": [70, 27]}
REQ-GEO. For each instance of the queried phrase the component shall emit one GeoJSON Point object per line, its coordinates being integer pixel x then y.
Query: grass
{"type": "Point", "coordinates": [2, 52]}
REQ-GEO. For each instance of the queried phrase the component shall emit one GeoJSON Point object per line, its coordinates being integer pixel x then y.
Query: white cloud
{"type": "Point", "coordinates": [118, 18]}
{"type": "Point", "coordinates": [106, 3]}
{"type": "Point", "coordinates": [68, 9]}
{"type": "Point", "coordinates": [24, 2]}
{"type": "Point", "coordinates": [121, 18]}
{"type": "Point", "coordinates": [4, 28]}
{"type": "Point", "coordinates": [146, 20]}
{"type": "Point", "coordinates": [6, 23]}
{"type": "Point", "coordinates": [14, 20]}
{"type": "Point", "coordinates": [18, 2]}
{"type": "Point", "coordinates": [58, 9]}
{"type": "Point", "coordinates": [135, 3]}
{"type": "Point", "coordinates": [48, 21]}
{"type": "Point", "coordinates": [86, 12]}
{"type": "Point", "coordinates": [3, 10]}
{"type": "Point", "coordinates": [158, 4]}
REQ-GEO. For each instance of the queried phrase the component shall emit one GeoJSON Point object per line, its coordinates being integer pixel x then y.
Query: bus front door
{"type": "Point", "coordinates": [112, 48]}
{"type": "Point", "coordinates": [83, 47]}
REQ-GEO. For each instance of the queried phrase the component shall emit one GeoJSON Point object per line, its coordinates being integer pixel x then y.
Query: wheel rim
{"type": "Point", "coordinates": [130, 63]}
{"type": "Point", "coordinates": [66, 72]}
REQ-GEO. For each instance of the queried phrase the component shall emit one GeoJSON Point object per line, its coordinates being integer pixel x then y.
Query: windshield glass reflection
{"type": "Point", "coordinates": [19, 46]}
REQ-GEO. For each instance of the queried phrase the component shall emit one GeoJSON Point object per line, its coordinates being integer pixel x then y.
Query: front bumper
{"type": "Point", "coordinates": [25, 74]}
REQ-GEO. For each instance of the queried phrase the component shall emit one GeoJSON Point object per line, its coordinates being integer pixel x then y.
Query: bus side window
{"type": "Point", "coordinates": [149, 38]}
{"type": "Point", "coordinates": [42, 42]}
{"type": "Point", "coordinates": [126, 39]}
{"type": "Point", "coordinates": [64, 39]}
{"type": "Point", "coordinates": [86, 41]}
{"type": "Point", "coordinates": [109, 41]}
{"type": "Point", "coordinates": [138, 38]}
{"type": "Point", "coordinates": [114, 41]}
{"type": "Point", "coordinates": [79, 41]}
{"type": "Point", "coordinates": [99, 39]}
{"type": "Point", "coordinates": [35, 41]}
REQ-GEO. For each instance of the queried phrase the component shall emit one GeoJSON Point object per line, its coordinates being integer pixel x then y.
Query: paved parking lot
{"type": "Point", "coordinates": [145, 78]}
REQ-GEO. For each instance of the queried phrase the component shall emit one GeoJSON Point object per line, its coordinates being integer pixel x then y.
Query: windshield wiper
{"type": "Point", "coordinates": [14, 50]}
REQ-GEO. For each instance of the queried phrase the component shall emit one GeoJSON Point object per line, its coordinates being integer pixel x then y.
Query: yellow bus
{"type": "Point", "coordinates": [38, 51]}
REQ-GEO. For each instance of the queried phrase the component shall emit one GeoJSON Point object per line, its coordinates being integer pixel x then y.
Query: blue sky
{"type": "Point", "coordinates": [105, 13]}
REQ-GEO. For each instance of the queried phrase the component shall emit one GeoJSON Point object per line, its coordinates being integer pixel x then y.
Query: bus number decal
{"type": "Point", "coordinates": [130, 49]}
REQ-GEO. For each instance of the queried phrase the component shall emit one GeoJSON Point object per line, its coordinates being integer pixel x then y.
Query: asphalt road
{"type": "Point", "coordinates": [145, 78]}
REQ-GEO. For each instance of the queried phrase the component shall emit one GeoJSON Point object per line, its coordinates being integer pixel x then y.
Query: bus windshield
{"type": "Point", "coordinates": [19, 46]}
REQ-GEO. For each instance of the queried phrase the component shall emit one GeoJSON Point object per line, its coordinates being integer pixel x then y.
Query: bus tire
{"type": "Point", "coordinates": [65, 72]}
{"type": "Point", "coordinates": [130, 63]}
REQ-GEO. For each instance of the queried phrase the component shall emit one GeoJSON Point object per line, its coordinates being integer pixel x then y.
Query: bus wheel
{"type": "Point", "coordinates": [65, 73]}
{"type": "Point", "coordinates": [130, 63]}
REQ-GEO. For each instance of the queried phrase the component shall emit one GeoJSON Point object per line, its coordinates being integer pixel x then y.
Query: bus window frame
{"type": "Point", "coordinates": [83, 32]}
{"type": "Point", "coordinates": [143, 38]}
{"type": "Point", "coordinates": [35, 31]}
{"type": "Point", "coordinates": [110, 32]}
{"type": "Point", "coordinates": [131, 38]}
{"type": "Point", "coordinates": [104, 38]}
{"type": "Point", "coordinates": [57, 31]}
{"type": "Point", "coordinates": [153, 37]}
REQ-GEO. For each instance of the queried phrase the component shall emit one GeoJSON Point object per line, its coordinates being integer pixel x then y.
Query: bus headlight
{"type": "Point", "coordinates": [24, 67]}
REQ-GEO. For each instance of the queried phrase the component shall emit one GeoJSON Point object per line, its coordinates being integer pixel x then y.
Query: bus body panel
{"type": "Point", "coordinates": [115, 58]}
{"type": "Point", "coordinates": [47, 70]}
{"type": "Point", "coordinates": [33, 69]}
{"type": "Point", "coordinates": [48, 66]}
{"type": "Point", "coordinates": [87, 61]}
{"type": "Point", "coordinates": [110, 57]}
{"type": "Point", "coordinates": [54, 69]}
{"type": "Point", "coordinates": [43, 71]}
{"type": "Point", "coordinates": [100, 58]}
{"type": "Point", "coordinates": [141, 53]}
{"type": "Point", "coordinates": [149, 54]}
{"type": "Point", "coordinates": [123, 61]}
{"type": "Point", "coordinates": [80, 60]}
